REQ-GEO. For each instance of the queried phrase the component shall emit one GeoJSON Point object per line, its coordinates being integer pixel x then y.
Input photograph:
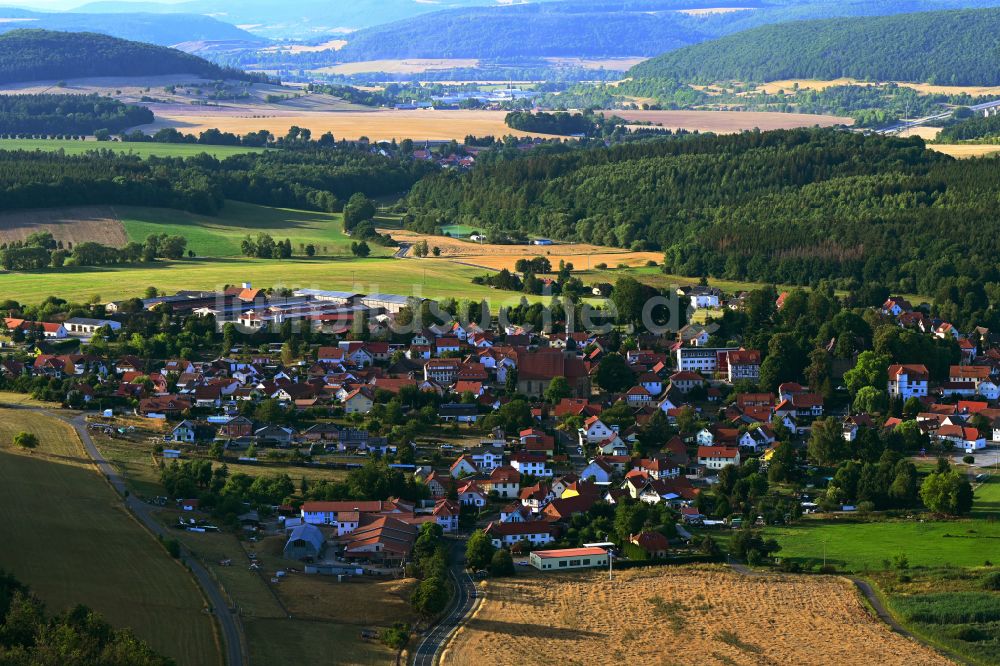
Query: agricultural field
{"type": "Point", "coordinates": [75, 225]}
{"type": "Point", "coordinates": [406, 66]}
{"type": "Point", "coordinates": [581, 255]}
{"type": "Point", "coordinates": [431, 279]}
{"type": "Point", "coordinates": [221, 235]}
{"type": "Point", "coordinates": [139, 149]}
{"type": "Point", "coordinates": [730, 122]}
{"type": "Point", "coordinates": [67, 535]}
{"type": "Point", "coordinates": [965, 150]}
{"type": "Point", "coordinates": [857, 547]}
{"type": "Point", "coordinates": [928, 89]}
{"type": "Point", "coordinates": [704, 615]}
{"type": "Point", "coordinates": [376, 124]}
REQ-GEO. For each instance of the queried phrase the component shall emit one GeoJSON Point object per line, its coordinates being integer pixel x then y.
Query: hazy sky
{"type": "Point", "coordinates": [55, 4]}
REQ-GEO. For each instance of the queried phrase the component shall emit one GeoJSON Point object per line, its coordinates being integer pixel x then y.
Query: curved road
{"type": "Point", "coordinates": [232, 635]}
{"type": "Point", "coordinates": [466, 597]}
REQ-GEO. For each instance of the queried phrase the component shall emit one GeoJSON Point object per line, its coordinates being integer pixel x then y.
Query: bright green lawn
{"type": "Point", "coordinates": [988, 498]}
{"type": "Point", "coordinates": [860, 546]}
{"type": "Point", "coordinates": [457, 230]}
{"type": "Point", "coordinates": [405, 277]}
{"type": "Point", "coordinates": [140, 149]}
{"type": "Point", "coordinates": [220, 236]}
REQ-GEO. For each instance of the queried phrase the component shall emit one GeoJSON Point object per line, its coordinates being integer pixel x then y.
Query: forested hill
{"type": "Point", "coordinates": [946, 48]}
{"type": "Point", "coordinates": [37, 55]}
{"type": "Point", "coordinates": [786, 206]}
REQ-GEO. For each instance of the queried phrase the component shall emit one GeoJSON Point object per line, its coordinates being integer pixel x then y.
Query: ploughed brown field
{"type": "Point", "coordinates": [99, 224]}
{"type": "Point", "coordinates": [678, 615]}
{"type": "Point", "coordinates": [581, 255]}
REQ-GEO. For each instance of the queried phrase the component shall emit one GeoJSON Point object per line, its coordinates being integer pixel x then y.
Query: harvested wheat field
{"type": "Point", "coordinates": [377, 125]}
{"type": "Point", "coordinates": [99, 224]}
{"type": "Point", "coordinates": [963, 150]}
{"type": "Point", "coordinates": [581, 255]}
{"type": "Point", "coordinates": [682, 615]}
{"type": "Point", "coordinates": [926, 88]}
{"type": "Point", "coordinates": [728, 122]}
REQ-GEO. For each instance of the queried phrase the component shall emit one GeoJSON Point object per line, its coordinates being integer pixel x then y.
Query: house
{"type": "Point", "coordinates": [470, 494]}
{"type": "Point", "coordinates": [535, 497]}
{"type": "Point", "coordinates": [651, 382]}
{"type": "Point", "coordinates": [659, 467]}
{"type": "Point", "coordinates": [166, 405]}
{"type": "Point", "coordinates": [529, 464]}
{"type": "Point", "coordinates": [505, 481]}
{"type": "Point", "coordinates": [655, 544]}
{"type": "Point", "coordinates": [273, 435]}
{"type": "Point", "coordinates": [895, 306]}
{"type": "Point", "coordinates": [535, 370]}
{"type": "Point", "coordinates": [536, 532]}
{"type": "Point", "coordinates": [693, 334]}
{"type": "Point", "coordinates": [236, 427]}
{"type": "Point", "coordinates": [742, 364]}
{"type": "Point", "coordinates": [595, 431]}
{"type": "Point", "coordinates": [853, 424]}
{"type": "Point", "coordinates": [569, 558]}
{"type": "Point", "coordinates": [963, 437]}
{"type": "Point", "coordinates": [185, 431]}
{"type": "Point", "coordinates": [442, 370]}
{"type": "Point", "coordinates": [386, 540]}
{"type": "Point", "coordinates": [304, 543]}
{"type": "Point", "coordinates": [908, 381]}
{"type": "Point", "coordinates": [801, 405]}
{"type": "Point", "coordinates": [598, 471]}
{"type": "Point", "coordinates": [699, 359]}
{"type": "Point", "coordinates": [717, 457]}
{"type": "Point", "coordinates": [48, 330]}
{"type": "Point", "coordinates": [686, 380]}
{"type": "Point", "coordinates": [359, 401]}
{"type": "Point", "coordinates": [965, 379]}
{"type": "Point", "coordinates": [446, 515]}
{"type": "Point", "coordinates": [464, 466]}
{"type": "Point", "coordinates": [458, 412]}
{"type": "Point", "coordinates": [701, 296]}
{"type": "Point", "coordinates": [438, 484]}
{"type": "Point", "coordinates": [637, 396]}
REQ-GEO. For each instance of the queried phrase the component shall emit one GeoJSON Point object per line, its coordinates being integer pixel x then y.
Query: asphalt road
{"type": "Point", "coordinates": [231, 631]}
{"type": "Point", "coordinates": [429, 649]}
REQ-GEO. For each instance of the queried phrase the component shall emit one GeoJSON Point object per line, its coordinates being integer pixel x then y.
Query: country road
{"type": "Point", "coordinates": [466, 597]}
{"type": "Point", "coordinates": [231, 632]}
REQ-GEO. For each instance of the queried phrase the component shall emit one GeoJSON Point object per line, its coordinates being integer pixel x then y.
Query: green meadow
{"type": "Point", "coordinates": [220, 236]}
{"type": "Point", "coordinates": [141, 149]}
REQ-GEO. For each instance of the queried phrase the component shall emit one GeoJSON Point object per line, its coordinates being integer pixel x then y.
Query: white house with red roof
{"type": "Point", "coordinates": [963, 437]}
{"type": "Point", "coordinates": [717, 457]}
{"type": "Point", "coordinates": [908, 381]}
{"type": "Point", "coordinates": [594, 430]}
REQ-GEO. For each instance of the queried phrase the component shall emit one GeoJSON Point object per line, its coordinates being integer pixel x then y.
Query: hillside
{"type": "Point", "coordinates": [162, 29]}
{"type": "Point", "coordinates": [593, 28]}
{"type": "Point", "coordinates": [784, 206]}
{"type": "Point", "coordinates": [946, 48]}
{"type": "Point", "coordinates": [37, 55]}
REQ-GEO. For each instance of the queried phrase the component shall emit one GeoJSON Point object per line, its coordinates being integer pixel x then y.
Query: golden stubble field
{"type": "Point", "coordinates": [581, 255]}
{"type": "Point", "coordinates": [679, 615]}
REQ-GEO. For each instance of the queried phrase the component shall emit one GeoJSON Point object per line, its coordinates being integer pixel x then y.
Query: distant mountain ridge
{"type": "Point", "coordinates": [39, 55]}
{"type": "Point", "coordinates": [959, 47]}
{"type": "Point", "coordinates": [153, 28]}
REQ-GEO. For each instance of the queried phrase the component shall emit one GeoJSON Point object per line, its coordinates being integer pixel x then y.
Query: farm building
{"type": "Point", "coordinates": [305, 541]}
{"type": "Point", "coordinates": [569, 558]}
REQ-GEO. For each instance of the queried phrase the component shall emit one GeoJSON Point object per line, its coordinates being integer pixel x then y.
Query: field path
{"type": "Point", "coordinates": [232, 634]}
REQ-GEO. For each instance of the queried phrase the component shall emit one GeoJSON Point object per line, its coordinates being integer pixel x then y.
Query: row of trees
{"type": "Point", "coordinates": [67, 114]}
{"type": "Point", "coordinates": [41, 250]}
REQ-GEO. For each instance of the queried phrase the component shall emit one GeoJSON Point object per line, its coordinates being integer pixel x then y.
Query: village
{"type": "Point", "coordinates": [519, 436]}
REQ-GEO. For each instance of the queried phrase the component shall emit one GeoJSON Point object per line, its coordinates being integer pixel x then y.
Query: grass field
{"type": "Point", "coordinates": [864, 546]}
{"type": "Point", "coordinates": [140, 149]}
{"type": "Point", "coordinates": [429, 279]}
{"type": "Point", "coordinates": [220, 236]}
{"type": "Point", "coordinates": [68, 537]}
{"type": "Point", "coordinates": [678, 615]}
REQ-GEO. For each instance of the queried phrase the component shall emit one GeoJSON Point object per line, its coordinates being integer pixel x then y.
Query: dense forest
{"type": "Point", "coordinates": [985, 129]}
{"type": "Point", "coordinates": [946, 48]}
{"type": "Point", "coordinates": [37, 55]}
{"type": "Point", "coordinates": [29, 635]}
{"type": "Point", "coordinates": [785, 206]}
{"type": "Point", "coordinates": [67, 114]}
{"type": "Point", "coordinates": [312, 178]}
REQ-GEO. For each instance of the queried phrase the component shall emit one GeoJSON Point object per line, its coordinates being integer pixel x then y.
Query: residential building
{"type": "Point", "coordinates": [569, 558]}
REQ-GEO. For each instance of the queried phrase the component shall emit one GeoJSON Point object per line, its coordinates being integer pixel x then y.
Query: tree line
{"type": "Point", "coordinates": [67, 114]}
{"type": "Point", "coordinates": [40, 250]}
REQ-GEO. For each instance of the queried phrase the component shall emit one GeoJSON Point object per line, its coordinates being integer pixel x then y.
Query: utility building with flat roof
{"type": "Point", "coordinates": [569, 558]}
